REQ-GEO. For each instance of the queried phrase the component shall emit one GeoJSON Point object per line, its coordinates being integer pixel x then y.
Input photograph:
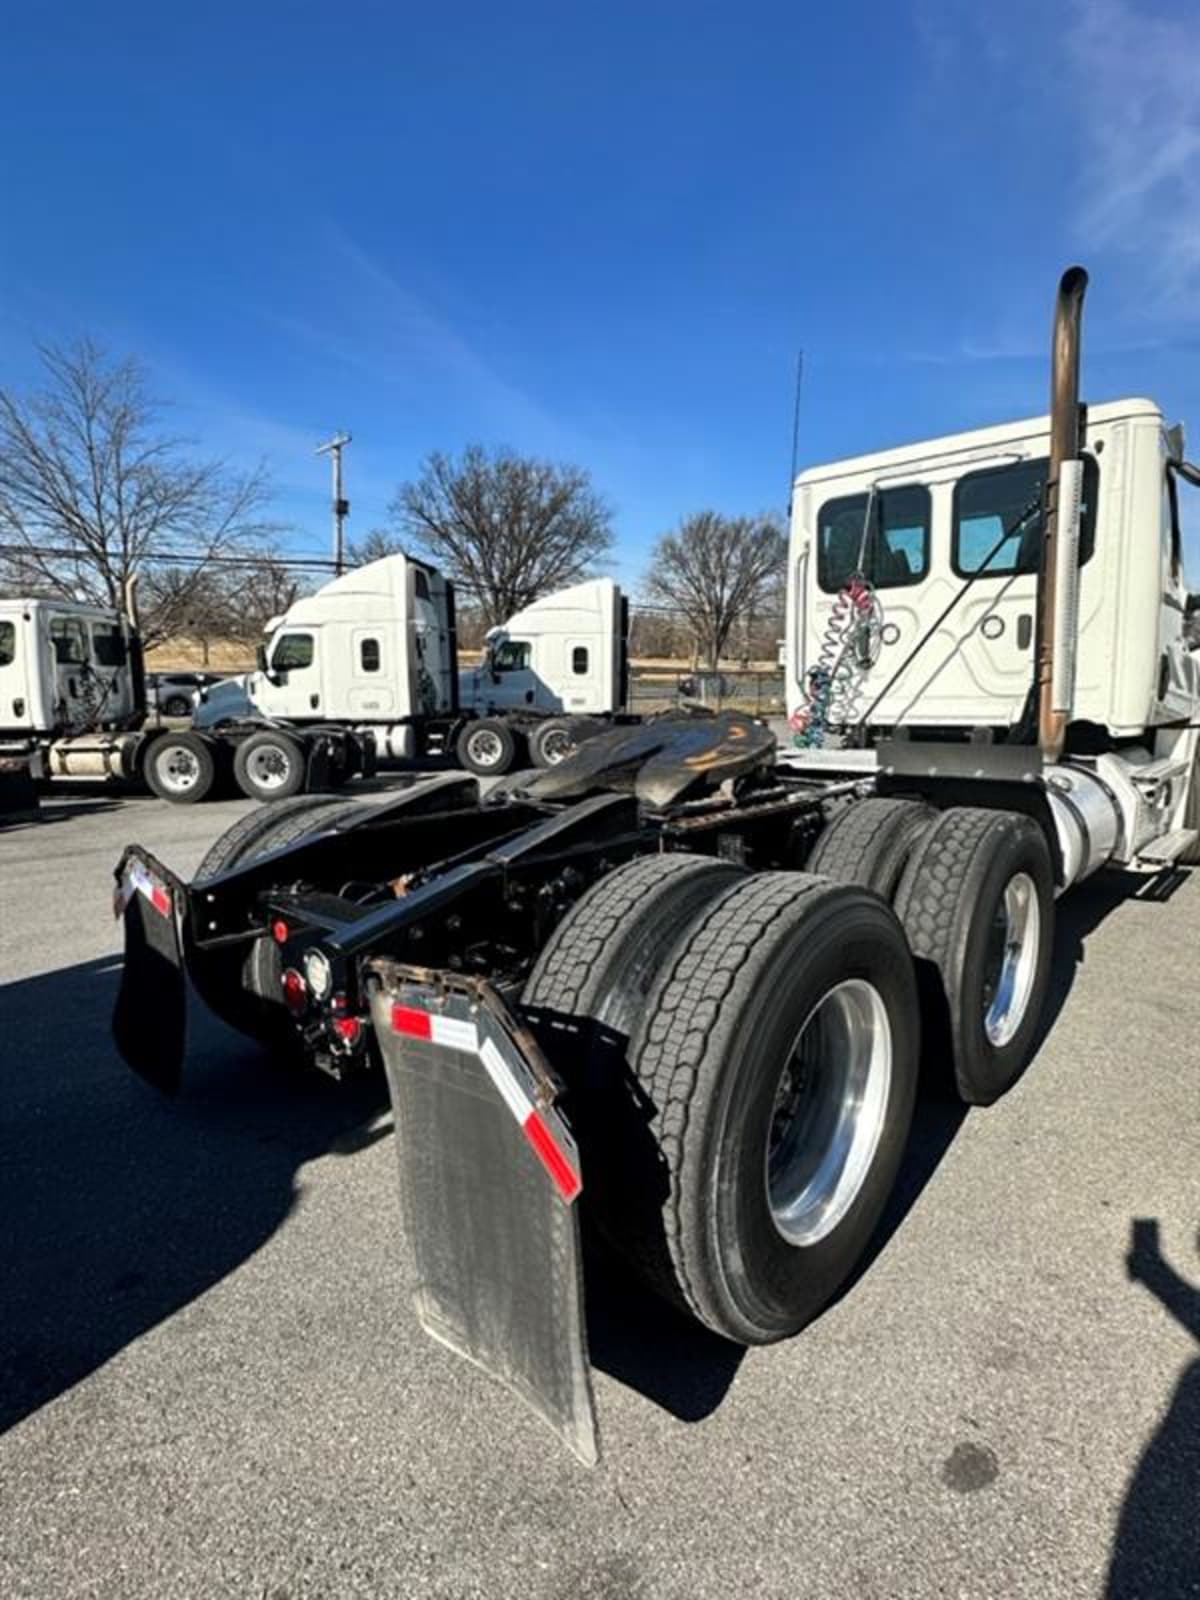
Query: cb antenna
{"type": "Point", "coordinates": [795, 428]}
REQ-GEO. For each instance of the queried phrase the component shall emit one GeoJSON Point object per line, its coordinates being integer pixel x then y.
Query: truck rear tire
{"type": "Point", "coordinates": [977, 903]}
{"type": "Point", "coordinates": [269, 765]}
{"type": "Point", "coordinates": [487, 747]}
{"type": "Point", "coordinates": [242, 986]}
{"type": "Point", "coordinates": [596, 968]}
{"type": "Point", "coordinates": [870, 842]}
{"type": "Point", "coordinates": [244, 839]}
{"type": "Point", "coordinates": [588, 989]}
{"type": "Point", "coordinates": [775, 1066]}
{"type": "Point", "coordinates": [180, 767]}
{"type": "Point", "coordinates": [551, 742]}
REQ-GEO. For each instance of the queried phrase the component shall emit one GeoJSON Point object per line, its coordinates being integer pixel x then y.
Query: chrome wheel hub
{"type": "Point", "coordinates": [829, 1112]}
{"type": "Point", "coordinates": [1012, 959]}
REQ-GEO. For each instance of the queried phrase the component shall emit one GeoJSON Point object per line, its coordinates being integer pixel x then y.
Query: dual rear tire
{"type": "Point", "coordinates": [748, 1046]}
{"type": "Point", "coordinates": [742, 1051]}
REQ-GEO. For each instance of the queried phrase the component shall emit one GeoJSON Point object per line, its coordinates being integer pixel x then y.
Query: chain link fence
{"type": "Point", "coordinates": [660, 688]}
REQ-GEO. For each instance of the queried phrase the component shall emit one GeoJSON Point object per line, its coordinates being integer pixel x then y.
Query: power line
{"type": "Point", "coordinates": [173, 558]}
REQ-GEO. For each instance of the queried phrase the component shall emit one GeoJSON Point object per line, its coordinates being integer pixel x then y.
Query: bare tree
{"type": "Point", "coordinates": [92, 491]}
{"type": "Point", "coordinates": [507, 528]}
{"type": "Point", "coordinates": [258, 592]}
{"type": "Point", "coordinates": [378, 543]}
{"type": "Point", "coordinates": [717, 571]}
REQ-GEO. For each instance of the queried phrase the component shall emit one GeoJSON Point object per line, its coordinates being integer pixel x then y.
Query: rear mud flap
{"type": "Point", "coordinates": [150, 1017]}
{"type": "Point", "coordinates": [488, 1176]}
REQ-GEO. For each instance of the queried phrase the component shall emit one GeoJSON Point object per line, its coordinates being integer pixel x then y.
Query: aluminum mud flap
{"type": "Point", "coordinates": [150, 1017]}
{"type": "Point", "coordinates": [489, 1174]}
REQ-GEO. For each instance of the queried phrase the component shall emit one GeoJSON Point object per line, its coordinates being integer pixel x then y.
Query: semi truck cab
{"type": "Point", "coordinates": [63, 666]}
{"type": "Point", "coordinates": [947, 535]}
{"type": "Point", "coordinates": [561, 655]}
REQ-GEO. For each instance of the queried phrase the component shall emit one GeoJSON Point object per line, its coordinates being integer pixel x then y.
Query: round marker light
{"type": "Point", "coordinates": [318, 973]}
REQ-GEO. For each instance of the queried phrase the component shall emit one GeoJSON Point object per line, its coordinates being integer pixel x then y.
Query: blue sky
{"type": "Point", "coordinates": [600, 232]}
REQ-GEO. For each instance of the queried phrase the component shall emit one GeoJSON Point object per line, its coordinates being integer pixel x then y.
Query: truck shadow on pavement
{"type": "Point", "coordinates": [939, 1113]}
{"type": "Point", "coordinates": [118, 1207]}
{"type": "Point", "coordinates": [1156, 1552]}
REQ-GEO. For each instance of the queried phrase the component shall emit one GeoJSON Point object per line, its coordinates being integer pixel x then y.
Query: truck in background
{"type": "Point", "coordinates": [73, 706]}
{"type": "Point", "coordinates": [376, 650]}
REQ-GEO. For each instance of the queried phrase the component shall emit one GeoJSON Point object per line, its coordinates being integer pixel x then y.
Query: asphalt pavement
{"type": "Point", "coordinates": [213, 1382]}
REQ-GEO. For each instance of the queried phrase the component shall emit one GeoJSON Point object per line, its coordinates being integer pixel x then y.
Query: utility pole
{"type": "Point", "coordinates": [341, 506]}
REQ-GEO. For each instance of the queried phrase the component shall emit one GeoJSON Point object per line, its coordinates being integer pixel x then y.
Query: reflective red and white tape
{"type": "Point", "coordinates": [456, 1034]}
{"type": "Point", "coordinates": [139, 880]}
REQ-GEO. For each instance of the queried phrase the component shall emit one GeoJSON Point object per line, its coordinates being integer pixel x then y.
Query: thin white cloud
{"type": "Point", "coordinates": [391, 335]}
{"type": "Point", "coordinates": [1135, 92]}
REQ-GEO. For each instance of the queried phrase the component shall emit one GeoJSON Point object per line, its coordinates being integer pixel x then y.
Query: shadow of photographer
{"type": "Point", "coordinates": [1156, 1552]}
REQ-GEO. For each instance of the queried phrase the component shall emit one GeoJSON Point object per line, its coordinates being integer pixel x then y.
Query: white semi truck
{"type": "Point", "coordinates": [376, 650]}
{"type": "Point", "coordinates": [688, 980]}
{"type": "Point", "coordinates": [73, 706]}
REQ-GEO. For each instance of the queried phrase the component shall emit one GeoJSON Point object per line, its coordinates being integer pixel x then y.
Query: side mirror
{"type": "Point", "coordinates": [260, 658]}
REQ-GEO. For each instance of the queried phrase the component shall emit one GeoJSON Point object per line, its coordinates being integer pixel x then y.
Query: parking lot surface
{"type": "Point", "coordinates": [213, 1382]}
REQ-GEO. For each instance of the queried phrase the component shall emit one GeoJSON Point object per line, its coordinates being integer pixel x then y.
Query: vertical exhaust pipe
{"type": "Point", "coordinates": [1064, 446]}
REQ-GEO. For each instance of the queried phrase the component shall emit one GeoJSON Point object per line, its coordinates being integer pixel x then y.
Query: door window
{"type": "Point", "coordinates": [511, 656]}
{"type": "Point", "coordinates": [368, 655]}
{"type": "Point", "coordinates": [579, 660]}
{"type": "Point", "coordinates": [883, 535]}
{"type": "Point", "coordinates": [1000, 510]}
{"type": "Point", "coordinates": [294, 652]}
{"type": "Point", "coordinates": [8, 643]}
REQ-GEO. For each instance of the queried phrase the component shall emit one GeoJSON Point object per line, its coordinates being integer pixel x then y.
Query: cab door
{"type": "Point", "coordinates": [513, 684]}
{"type": "Point", "coordinates": [69, 660]}
{"type": "Point", "coordinates": [292, 687]}
{"type": "Point", "coordinates": [16, 701]}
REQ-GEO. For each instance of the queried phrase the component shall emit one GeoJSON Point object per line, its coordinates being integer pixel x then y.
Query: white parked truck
{"type": "Point", "coordinates": [687, 980]}
{"type": "Point", "coordinates": [376, 650]}
{"type": "Point", "coordinates": [73, 705]}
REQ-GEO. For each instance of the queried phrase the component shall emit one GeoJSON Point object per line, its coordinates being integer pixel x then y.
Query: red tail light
{"type": "Point", "coordinates": [280, 932]}
{"type": "Point", "coordinates": [295, 992]}
{"type": "Point", "coordinates": [348, 1029]}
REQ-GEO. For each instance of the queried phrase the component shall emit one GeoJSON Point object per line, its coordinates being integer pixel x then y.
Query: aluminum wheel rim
{"type": "Point", "coordinates": [179, 771]}
{"type": "Point", "coordinates": [484, 748]}
{"type": "Point", "coordinates": [556, 746]}
{"type": "Point", "coordinates": [268, 766]}
{"type": "Point", "coordinates": [1012, 959]}
{"type": "Point", "coordinates": [829, 1112]}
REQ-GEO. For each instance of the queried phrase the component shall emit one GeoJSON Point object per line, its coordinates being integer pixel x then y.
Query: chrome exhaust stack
{"type": "Point", "coordinates": [1058, 596]}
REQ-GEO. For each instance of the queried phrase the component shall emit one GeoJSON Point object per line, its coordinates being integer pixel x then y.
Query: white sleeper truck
{"type": "Point", "coordinates": [376, 650]}
{"type": "Point", "coordinates": [685, 980]}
